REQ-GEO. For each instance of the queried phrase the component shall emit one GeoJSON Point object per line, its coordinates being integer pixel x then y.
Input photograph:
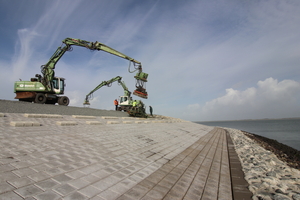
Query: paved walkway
{"type": "Point", "coordinates": [86, 157]}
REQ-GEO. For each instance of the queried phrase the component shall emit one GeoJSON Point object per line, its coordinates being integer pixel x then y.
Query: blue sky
{"type": "Point", "coordinates": [206, 60]}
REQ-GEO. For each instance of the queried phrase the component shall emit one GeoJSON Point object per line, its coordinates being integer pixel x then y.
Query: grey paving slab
{"type": "Point", "coordinates": [159, 159]}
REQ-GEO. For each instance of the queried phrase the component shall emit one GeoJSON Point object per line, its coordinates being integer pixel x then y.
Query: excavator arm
{"type": "Point", "coordinates": [48, 68]}
{"type": "Point", "coordinates": [107, 83]}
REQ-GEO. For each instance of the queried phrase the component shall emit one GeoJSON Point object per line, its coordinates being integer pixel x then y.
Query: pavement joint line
{"type": "Point", "coordinates": [66, 123]}
{"type": "Point", "coordinates": [113, 122]}
{"type": "Point", "coordinates": [127, 122]}
{"type": "Point", "coordinates": [42, 116]}
{"type": "Point", "coordinates": [84, 117]}
{"type": "Point", "coordinates": [24, 123]}
{"type": "Point", "coordinates": [94, 122]}
{"type": "Point", "coordinates": [109, 117]}
{"type": "Point", "coordinates": [126, 117]}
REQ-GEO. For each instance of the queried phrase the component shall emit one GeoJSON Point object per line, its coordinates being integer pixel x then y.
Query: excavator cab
{"type": "Point", "coordinates": [58, 85]}
{"type": "Point", "coordinates": [140, 91]}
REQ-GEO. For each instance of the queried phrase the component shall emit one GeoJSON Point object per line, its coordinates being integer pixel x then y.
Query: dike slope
{"type": "Point", "coordinates": [7, 106]}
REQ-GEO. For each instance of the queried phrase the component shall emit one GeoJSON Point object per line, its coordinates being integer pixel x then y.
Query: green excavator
{"type": "Point", "coordinates": [47, 88]}
{"type": "Point", "coordinates": [125, 102]}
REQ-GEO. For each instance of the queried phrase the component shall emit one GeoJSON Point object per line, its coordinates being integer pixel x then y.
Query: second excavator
{"type": "Point", "coordinates": [125, 102]}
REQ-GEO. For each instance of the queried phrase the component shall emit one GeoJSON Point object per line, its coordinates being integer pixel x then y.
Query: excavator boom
{"type": "Point", "coordinates": [103, 83]}
{"type": "Point", "coordinates": [48, 68]}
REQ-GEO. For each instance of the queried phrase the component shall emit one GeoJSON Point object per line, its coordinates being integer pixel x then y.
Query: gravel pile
{"type": "Point", "coordinates": [7, 106]}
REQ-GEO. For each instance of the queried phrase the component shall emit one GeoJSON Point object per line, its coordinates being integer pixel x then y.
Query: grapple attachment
{"type": "Point", "coordinates": [86, 102]}
{"type": "Point", "coordinates": [141, 92]}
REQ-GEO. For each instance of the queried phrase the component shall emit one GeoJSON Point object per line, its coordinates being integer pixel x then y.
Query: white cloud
{"type": "Point", "coordinates": [270, 99]}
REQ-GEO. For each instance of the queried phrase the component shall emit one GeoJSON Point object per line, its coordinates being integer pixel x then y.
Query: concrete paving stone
{"type": "Point", "coordinates": [39, 176]}
{"type": "Point", "coordinates": [28, 191]}
{"type": "Point", "coordinates": [109, 117]}
{"type": "Point", "coordinates": [24, 123]}
{"type": "Point", "coordinates": [190, 196]}
{"type": "Point", "coordinates": [106, 183]}
{"type": "Point", "coordinates": [109, 194]}
{"type": "Point", "coordinates": [101, 173]}
{"type": "Point", "coordinates": [41, 167]}
{"type": "Point", "coordinates": [146, 184]}
{"type": "Point", "coordinates": [112, 122]}
{"type": "Point", "coordinates": [89, 191]}
{"type": "Point", "coordinates": [125, 171]}
{"type": "Point", "coordinates": [5, 187]}
{"type": "Point", "coordinates": [155, 194]}
{"type": "Point", "coordinates": [20, 182]}
{"type": "Point", "coordinates": [10, 196]}
{"type": "Point", "coordinates": [119, 188]}
{"type": "Point", "coordinates": [47, 184]}
{"type": "Point", "coordinates": [90, 178]}
{"type": "Point", "coordinates": [75, 196]}
{"type": "Point", "coordinates": [79, 183]}
{"type": "Point", "coordinates": [137, 192]}
{"type": "Point", "coordinates": [54, 171]}
{"type": "Point", "coordinates": [90, 169]}
{"type": "Point", "coordinates": [24, 172]}
{"type": "Point", "coordinates": [62, 178]}
{"type": "Point", "coordinates": [75, 174]}
{"type": "Point", "coordinates": [135, 178]}
{"type": "Point", "coordinates": [128, 183]}
{"type": "Point", "coordinates": [195, 191]}
{"type": "Point", "coordinates": [166, 184]}
{"type": "Point", "coordinates": [67, 167]}
{"type": "Point", "coordinates": [66, 123]}
{"type": "Point", "coordinates": [9, 160]}
{"type": "Point", "coordinates": [7, 176]}
{"type": "Point", "coordinates": [110, 170]}
{"type": "Point", "coordinates": [47, 195]}
{"type": "Point", "coordinates": [174, 194]}
{"type": "Point", "coordinates": [42, 116]}
{"type": "Point", "coordinates": [127, 122]}
{"type": "Point", "coordinates": [6, 168]}
{"type": "Point", "coordinates": [94, 122]}
{"type": "Point", "coordinates": [83, 117]}
{"type": "Point", "coordinates": [64, 189]}
{"type": "Point", "coordinates": [83, 152]}
{"type": "Point", "coordinates": [96, 198]}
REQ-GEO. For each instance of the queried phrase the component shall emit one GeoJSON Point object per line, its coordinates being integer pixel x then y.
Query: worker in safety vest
{"type": "Point", "coordinates": [116, 103]}
{"type": "Point", "coordinates": [134, 103]}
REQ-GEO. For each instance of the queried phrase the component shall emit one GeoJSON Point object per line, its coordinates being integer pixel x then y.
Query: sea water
{"type": "Point", "coordinates": [286, 131]}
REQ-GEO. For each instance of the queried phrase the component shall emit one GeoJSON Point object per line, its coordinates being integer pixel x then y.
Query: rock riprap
{"type": "Point", "coordinates": [268, 177]}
